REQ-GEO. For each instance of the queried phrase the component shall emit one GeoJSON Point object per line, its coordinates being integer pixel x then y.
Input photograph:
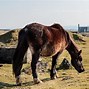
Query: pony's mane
{"type": "Point", "coordinates": [58, 26]}
{"type": "Point", "coordinates": [74, 44]}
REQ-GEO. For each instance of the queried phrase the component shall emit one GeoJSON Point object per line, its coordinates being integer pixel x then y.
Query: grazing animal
{"type": "Point", "coordinates": [44, 41]}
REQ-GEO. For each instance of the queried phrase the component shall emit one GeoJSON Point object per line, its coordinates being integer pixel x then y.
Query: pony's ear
{"type": "Point", "coordinates": [79, 52]}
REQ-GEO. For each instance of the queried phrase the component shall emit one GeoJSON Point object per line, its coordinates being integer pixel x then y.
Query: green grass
{"type": "Point", "coordinates": [68, 79]}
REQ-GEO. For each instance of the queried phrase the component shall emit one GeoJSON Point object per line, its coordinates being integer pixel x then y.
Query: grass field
{"type": "Point", "coordinates": [68, 79]}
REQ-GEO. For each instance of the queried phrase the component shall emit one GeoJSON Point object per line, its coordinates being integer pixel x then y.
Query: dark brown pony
{"type": "Point", "coordinates": [44, 41]}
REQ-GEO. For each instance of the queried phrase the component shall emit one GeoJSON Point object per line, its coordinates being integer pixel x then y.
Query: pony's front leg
{"type": "Point", "coordinates": [35, 58]}
{"type": "Point", "coordinates": [53, 72]}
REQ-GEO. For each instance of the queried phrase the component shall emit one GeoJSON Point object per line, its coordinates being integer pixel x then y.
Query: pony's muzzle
{"type": "Point", "coordinates": [82, 70]}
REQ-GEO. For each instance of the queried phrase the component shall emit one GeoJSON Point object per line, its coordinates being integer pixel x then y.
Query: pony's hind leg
{"type": "Point", "coordinates": [35, 58]}
{"type": "Point", "coordinates": [18, 59]}
{"type": "Point", "coordinates": [53, 72]}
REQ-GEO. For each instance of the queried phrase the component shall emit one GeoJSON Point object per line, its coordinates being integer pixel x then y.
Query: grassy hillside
{"type": "Point", "coordinates": [68, 79]}
{"type": "Point", "coordinates": [9, 39]}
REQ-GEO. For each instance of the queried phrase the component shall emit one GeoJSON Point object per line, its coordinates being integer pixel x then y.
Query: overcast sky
{"type": "Point", "coordinates": [18, 13]}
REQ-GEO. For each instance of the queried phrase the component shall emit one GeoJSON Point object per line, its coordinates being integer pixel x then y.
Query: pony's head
{"type": "Point", "coordinates": [77, 61]}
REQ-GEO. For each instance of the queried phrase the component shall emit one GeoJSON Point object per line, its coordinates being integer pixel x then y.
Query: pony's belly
{"type": "Point", "coordinates": [47, 51]}
{"type": "Point", "coordinates": [51, 50]}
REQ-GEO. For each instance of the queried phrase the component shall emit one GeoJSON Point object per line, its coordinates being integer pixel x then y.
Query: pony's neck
{"type": "Point", "coordinates": [72, 48]}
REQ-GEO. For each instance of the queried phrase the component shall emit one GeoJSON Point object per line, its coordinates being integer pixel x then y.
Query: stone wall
{"type": "Point", "coordinates": [6, 55]}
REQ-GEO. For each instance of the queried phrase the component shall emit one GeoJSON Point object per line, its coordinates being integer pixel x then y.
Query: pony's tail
{"type": "Point", "coordinates": [20, 51]}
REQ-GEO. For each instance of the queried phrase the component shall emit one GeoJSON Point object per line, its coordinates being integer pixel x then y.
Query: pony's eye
{"type": "Point", "coordinates": [80, 58]}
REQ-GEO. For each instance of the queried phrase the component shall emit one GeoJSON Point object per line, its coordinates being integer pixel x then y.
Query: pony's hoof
{"type": "Point", "coordinates": [54, 77]}
{"type": "Point", "coordinates": [37, 81]}
{"type": "Point", "coordinates": [18, 81]}
{"type": "Point", "coordinates": [18, 84]}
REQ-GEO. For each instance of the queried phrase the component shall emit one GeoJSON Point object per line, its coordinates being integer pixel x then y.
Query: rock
{"type": "Point", "coordinates": [65, 64]}
{"type": "Point", "coordinates": [41, 68]}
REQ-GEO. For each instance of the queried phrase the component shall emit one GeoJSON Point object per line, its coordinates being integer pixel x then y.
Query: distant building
{"type": "Point", "coordinates": [83, 28]}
